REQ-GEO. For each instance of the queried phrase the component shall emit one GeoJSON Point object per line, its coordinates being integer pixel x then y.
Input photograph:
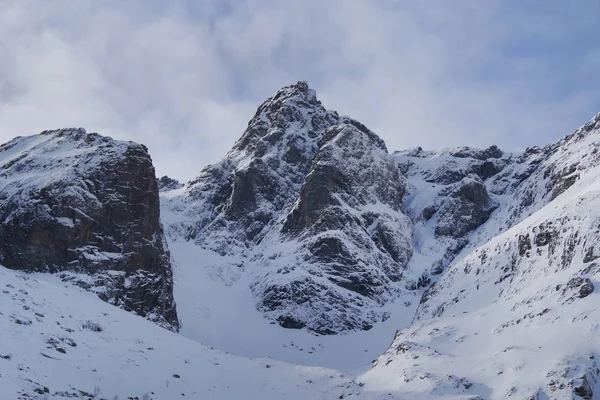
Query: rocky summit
{"type": "Point", "coordinates": [87, 207]}
{"type": "Point", "coordinates": [308, 203]}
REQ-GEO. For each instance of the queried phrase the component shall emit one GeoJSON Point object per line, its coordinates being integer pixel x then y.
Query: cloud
{"type": "Point", "coordinates": [184, 77]}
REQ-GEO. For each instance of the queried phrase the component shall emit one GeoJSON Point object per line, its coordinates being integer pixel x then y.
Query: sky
{"type": "Point", "coordinates": [184, 77]}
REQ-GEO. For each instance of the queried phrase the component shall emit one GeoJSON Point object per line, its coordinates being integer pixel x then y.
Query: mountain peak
{"type": "Point", "coordinates": [64, 131]}
{"type": "Point", "coordinates": [296, 95]}
{"type": "Point", "coordinates": [302, 190]}
{"type": "Point", "coordinates": [293, 111]}
{"type": "Point", "coordinates": [299, 91]}
{"type": "Point", "coordinates": [74, 133]}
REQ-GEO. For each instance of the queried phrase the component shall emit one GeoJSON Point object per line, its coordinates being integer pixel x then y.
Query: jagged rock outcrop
{"type": "Point", "coordinates": [232, 202]}
{"type": "Point", "coordinates": [449, 199]}
{"type": "Point", "coordinates": [309, 202]}
{"type": "Point", "coordinates": [466, 206]}
{"type": "Point", "coordinates": [166, 183]}
{"type": "Point", "coordinates": [87, 206]}
{"type": "Point", "coordinates": [351, 232]}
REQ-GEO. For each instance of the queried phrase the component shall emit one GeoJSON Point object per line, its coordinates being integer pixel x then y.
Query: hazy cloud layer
{"type": "Point", "coordinates": [184, 77]}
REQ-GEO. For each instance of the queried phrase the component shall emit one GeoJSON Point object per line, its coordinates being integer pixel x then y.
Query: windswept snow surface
{"type": "Point", "coordinates": [58, 341]}
{"type": "Point", "coordinates": [216, 308]}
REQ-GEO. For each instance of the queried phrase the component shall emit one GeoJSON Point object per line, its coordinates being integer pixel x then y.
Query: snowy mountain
{"type": "Point", "coordinates": [458, 201]}
{"type": "Point", "coordinates": [295, 261]}
{"type": "Point", "coordinates": [87, 206]}
{"type": "Point", "coordinates": [515, 315]}
{"type": "Point", "coordinates": [307, 206]}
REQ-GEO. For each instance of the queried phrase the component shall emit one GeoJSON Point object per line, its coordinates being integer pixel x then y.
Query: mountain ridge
{"type": "Point", "coordinates": [484, 261]}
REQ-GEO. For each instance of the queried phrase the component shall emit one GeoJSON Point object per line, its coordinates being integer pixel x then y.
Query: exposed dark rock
{"type": "Point", "coordinates": [464, 161]}
{"type": "Point", "coordinates": [590, 255]}
{"type": "Point", "coordinates": [586, 288]}
{"type": "Point", "coordinates": [524, 244]}
{"type": "Point", "coordinates": [235, 206]}
{"type": "Point", "coordinates": [479, 154]}
{"type": "Point", "coordinates": [576, 378]}
{"type": "Point", "coordinates": [446, 176]}
{"type": "Point", "coordinates": [428, 212]}
{"type": "Point", "coordinates": [488, 169]}
{"type": "Point", "coordinates": [467, 206]}
{"type": "Point", "coordinates": [165, 183]}
{"type": "Point", "coordinates": [290, 322]}
{"type": "Point", "coordinates": [534, 239]}
{"type": "Point", "coordinates": [576, 287]}
{"type": "Point", "coordinates": [561, 181]}
{"type": "Point", "coordinates": [437, 268]}
{"type": "Point", "coordinates": [544, 235]}
{"type": "Point", "coordinates": [86, 204]}
{"type": "Point", "coordinates": [584, 389]}
{"type": "Point", "coordinates": [457, 202]}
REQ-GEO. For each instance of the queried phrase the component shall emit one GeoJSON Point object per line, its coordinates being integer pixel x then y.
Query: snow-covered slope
{"type": "Point", "coordinates": [218, 310]}
{"type": "Point", "coordinates": [58, 342]}
{"type": "Point", "coordinates": [305, 209]}
{"type": "Point", "coordinates": [516, 314]}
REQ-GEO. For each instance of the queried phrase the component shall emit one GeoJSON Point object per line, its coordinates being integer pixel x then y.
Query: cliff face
{"type": "Point", "coordinates": [87, 206]}
{"type": "Point", "coordinates": [345, 229]}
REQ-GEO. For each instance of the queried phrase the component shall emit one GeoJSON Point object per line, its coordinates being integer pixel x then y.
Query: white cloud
{"type": "Point", "coordinates": [184, 77]}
